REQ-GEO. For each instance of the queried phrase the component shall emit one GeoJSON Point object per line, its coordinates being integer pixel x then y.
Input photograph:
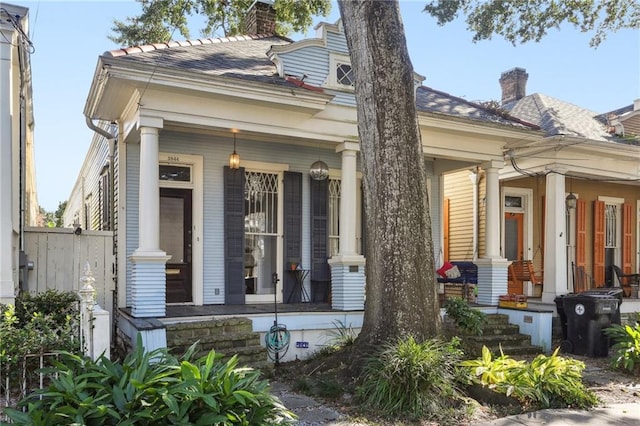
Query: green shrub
{"type": "Point", "coordinates": [626, 346]}
{"type": "Point", "coordinates": [152, 388]}
{"type": "Point", "coordinates": [466, 318]}
{"type": "Point", "coordinates": [38, 324]}
{"type": "Point", "coordinates": [412, 379]}
{"type": "Point", "coordinates": [548, 381]}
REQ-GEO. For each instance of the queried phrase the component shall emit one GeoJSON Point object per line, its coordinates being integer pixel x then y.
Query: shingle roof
{"type": "Point", "coordinates": [242, 57]}
{"type": "Point", "coordinates": [431, 100]}
{"type": "Point", "coordinates": [245, 57]}
{"type": "Point", "coordinates": [559, 117]}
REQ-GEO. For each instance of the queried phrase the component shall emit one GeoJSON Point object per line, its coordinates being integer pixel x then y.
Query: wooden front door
{"type": "Point", "coordinates": [514, 246]}
{"type": "Point", "coordinates": [176, 241]}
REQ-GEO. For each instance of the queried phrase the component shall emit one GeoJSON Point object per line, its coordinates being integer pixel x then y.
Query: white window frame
{"type": "Point", "coordinates": [618, 202]}
{"type": "Point", "coordinates": [334, 60]}
{"type": "Point", "coordinates": [273, 168]}
{"type": "Point", "coordinates": [527, 208]}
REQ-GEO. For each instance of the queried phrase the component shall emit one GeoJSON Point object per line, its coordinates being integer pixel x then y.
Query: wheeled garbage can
{"type": "Point", "coordinates": [587, 314]}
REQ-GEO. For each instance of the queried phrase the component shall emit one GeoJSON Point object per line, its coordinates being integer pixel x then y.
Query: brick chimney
{"type": "Point", "coordinates": [513, 84]}
{"type": "Point", "coordinates": [261, 18]}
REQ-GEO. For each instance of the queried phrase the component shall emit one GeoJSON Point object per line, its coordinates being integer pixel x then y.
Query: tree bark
{"type": "Point", "coordinates": [401, 294]}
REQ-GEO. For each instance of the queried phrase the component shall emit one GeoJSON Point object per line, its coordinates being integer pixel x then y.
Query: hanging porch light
{"type": "Point", "coordinates": [234, 158]}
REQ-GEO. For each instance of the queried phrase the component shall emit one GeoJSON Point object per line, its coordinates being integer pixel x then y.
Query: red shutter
{"type": "Point", "coordinates": [581, 233]}
{"type": "Point", "coordinates": [445, 230]}
{"type": "Point", "coordinates": [627, 229]}
{"type": "Point", "coordinates": [598, 242]}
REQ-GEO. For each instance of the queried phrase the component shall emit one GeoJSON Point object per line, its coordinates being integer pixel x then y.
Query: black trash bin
{"type": "Point", "coordinates": [588, 313]}
{"type": "Point", "coordinates": [565, 345]}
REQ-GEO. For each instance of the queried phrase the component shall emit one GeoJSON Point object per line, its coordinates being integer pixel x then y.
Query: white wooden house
{"type": "Point", "coordinates": [195, 236]}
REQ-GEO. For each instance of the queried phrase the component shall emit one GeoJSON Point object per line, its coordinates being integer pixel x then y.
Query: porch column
{"type": "Point", "coordinates": [148, 278]}
{"type": "Point", "coordinates": [347, 268]}
{"type": "Point", "coordinates": [555, 240]}
{"type": "Point", "coordinates": [7, 285]}
{"type": "Point", "coordinates": [492, 267]}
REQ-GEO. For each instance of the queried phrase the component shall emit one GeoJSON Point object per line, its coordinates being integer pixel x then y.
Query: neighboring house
{"type": "Point", "coordinates": [18, 203]}
{"type": "Point", "coordinates": [624, 122]}
{"type": "Point", "coordinates": [195, 235]}
{"type": "Point", "coordinates": [582, 155]}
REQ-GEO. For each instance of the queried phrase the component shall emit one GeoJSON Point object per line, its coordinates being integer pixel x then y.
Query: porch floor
{"type": "Point", "coordinates": [181, 311]}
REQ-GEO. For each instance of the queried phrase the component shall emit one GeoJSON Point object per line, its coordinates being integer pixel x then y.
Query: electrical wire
{"type": "Point", "coordinates": [15, 23]}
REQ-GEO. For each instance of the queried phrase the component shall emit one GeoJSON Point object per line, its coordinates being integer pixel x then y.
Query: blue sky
{"type": "Point", "coordinates": [70, 35]}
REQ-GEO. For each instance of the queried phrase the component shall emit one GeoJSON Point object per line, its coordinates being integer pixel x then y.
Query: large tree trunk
{"type": "Point", "coordinates": [401, 293]}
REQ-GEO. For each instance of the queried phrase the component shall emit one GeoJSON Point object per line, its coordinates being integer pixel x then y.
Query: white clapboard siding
{"type": "Point", "coordinates": [59, 258]}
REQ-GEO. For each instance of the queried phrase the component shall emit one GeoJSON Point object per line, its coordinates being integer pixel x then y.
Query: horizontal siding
{"type": "Point", "coordinates": [133, 177]}
{"type": "Point", "coordinates": [215, 151]}
{"type": "Point", "coordinates": [336, 42]}
{"type": "Point", "coordinates": [458, 189]}
{"type": "Point", "coordinates": [311, 61]}
{"type": "Point", "coordinates": [435, 210]}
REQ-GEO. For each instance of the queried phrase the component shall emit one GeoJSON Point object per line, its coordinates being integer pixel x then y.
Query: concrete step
{"type": "Point", "coordinates": [230, 336]}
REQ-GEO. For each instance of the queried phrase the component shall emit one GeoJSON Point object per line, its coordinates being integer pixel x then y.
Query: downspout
{"type": "Point", "coordinates": [111, 141]}
{"type": "Point", "coordinates": [474, 176]}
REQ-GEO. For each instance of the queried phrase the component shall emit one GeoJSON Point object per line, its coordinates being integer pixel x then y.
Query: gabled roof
{"type": "Point", "coordinates": [246, 58]}
{"type": "Point", "coordinates": [558, 117]}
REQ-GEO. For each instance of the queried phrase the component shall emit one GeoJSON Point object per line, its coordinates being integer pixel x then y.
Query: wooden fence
{"type": "Point", "coordinates": [59, 258]}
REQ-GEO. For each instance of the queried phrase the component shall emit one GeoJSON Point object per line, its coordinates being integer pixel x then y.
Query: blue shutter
{"type": "Point", "coordinates": [292, 233]}
{"type": "Point", "coordinates": [319, 230]}
{"type": "Point", "coordinates": [234, 236]}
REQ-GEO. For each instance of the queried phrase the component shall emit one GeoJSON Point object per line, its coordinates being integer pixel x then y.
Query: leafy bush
{"type": "Point", "coordinates": [35, 325]}
{"type": "Point", "coordinates": [549, 381]}
{"type": "Point", "coordinates": [413, 379]}
{"type": "Point", "coordinates": [152, 388]}
{"type": "Point", "coordinates": [466, 318]}
{"type": "Point", "coordinates": [626, 346]}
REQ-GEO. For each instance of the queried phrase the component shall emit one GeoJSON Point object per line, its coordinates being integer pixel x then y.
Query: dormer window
{"type": "Point", "coordinates": [344, 75]}
{"type": "Point", "coordinates": [341, 75]}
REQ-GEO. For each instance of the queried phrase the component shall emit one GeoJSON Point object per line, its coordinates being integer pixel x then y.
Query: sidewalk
{"type": "Point", "coordinates": [311, 412]}
{"type": "Point", "coordinates": [615, 414]}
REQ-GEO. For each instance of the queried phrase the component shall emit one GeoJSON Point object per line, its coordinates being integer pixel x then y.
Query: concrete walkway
{"type": "Point", "coordinates": [615, 414]}
{"type": "Point", "coordinates": [310, 412]}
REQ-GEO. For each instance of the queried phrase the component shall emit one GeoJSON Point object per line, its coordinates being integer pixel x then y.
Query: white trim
{"type": "Point", "coordinates": [279, 169]}
{"type": "Point", "coordinates": [260, 166]}
{"type": "Point", "coordinates": [527, 209]}
{"type": "Point", "coordinates": [618, 202]}
{"type": "Point", "coordinates": [197, 214]}
{"type": "Point", "coordinates": [611, 200]}
{"type": "Point", "coordinates": [332, 77]}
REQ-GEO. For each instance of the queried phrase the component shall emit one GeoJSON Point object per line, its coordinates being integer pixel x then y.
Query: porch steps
{"type": "Point", "coordinates": [498, 333]}
{"type": "Point", "coordinates": [229, 336]}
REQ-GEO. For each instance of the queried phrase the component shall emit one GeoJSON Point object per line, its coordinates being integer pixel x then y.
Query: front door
{"type": "Point", "coordinates": [513, 245]}
{"type": "Point", "coordinates": [176, 241]}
